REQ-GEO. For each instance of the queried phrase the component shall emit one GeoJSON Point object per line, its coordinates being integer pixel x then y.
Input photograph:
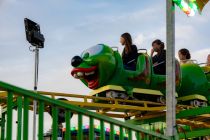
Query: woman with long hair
{"type": "Point", "coordinates": [129, 54]}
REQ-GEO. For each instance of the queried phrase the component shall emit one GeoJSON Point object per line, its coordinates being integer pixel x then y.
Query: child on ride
{"type": "Point", "coordinates": [184, 56]}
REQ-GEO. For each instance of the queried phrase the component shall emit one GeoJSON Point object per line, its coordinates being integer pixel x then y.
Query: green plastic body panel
{"type": "Point", "coordinates": [190, 78]}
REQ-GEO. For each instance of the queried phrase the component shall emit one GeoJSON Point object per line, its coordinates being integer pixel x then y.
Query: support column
{"type": "Point", "coordinates": [170, 70]}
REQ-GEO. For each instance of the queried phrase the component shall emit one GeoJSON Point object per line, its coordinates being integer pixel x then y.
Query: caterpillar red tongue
{"type": "Point", "coordinates": [92, 84]}
{"type": "Point", "coordinates": [90, 75]}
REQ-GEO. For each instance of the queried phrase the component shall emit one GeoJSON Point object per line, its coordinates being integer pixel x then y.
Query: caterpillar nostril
{"type": "Point", "coordinates": [76, 61]}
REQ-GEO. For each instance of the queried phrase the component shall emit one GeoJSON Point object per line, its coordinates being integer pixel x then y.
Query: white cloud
{"type": "Point", "coordinates": [139, 39]}
{"type": "Point", "coordinates": [99, 5]}
{"type": "Point", "coordinates": [61, 81]}
{"type": "Point", "coordinates": [201, 55]}
{"type": "Point", "coordinates": [184, 32]}
{"type": "Point", "coordinates": [144, 40]}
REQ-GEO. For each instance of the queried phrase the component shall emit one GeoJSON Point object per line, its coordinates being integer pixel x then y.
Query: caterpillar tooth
{"type": "Point", "coordinates": [75, 75]}
{"type": "Point", "coordinates": [89, 73]}
{"type": "Point", "coordinates": [80, 74]}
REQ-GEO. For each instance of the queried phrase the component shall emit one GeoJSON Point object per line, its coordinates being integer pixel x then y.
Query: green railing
{"type": "Point", "coordinates": [22, 103]}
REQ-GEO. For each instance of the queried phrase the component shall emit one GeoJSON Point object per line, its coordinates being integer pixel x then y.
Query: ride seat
{"type": "Point", "coordinates": [177, 73]}
{"type": "Point", "coordinates": [143, 63]}
{"type": "Point", "coordinates": [143, 68]}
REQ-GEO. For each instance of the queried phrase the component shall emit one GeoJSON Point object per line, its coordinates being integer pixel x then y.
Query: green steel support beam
{"type": "Point", "coordinates": [102, 131]}
{"type": "Point", "coordinates": [147, 137]}
{"type": "Point", "coordinates": [9, 115]}
{"type": "Point", "coordinates": [3, 126]}
{"type": "Point", "coordinates": [41, 121]}
{"type": "Point", "coordinates": [138, 136]}
{"type": "Point", "coordinates": [129, 134]}
{"type": "Point", "coordinates": [195, 134]}
{"type": "Point", "coordinates": [91, 130]}
{"type": "Point", "coordinates": [193, 112]}
{"type": "Point", "coordinates": [121, 133]}
{"type": "Point", "coordinates": [181, 115]}
{"type": "Point", "coordinates": [25, 117]}
{"type": "Point", "coordinates": [68, 125]}
{"type": "Point", "coordinates": [19, 112]}
{"type": "Point", "coordinates": [112, 132]}
{"type": "Point", "coordinates": [80, 131]}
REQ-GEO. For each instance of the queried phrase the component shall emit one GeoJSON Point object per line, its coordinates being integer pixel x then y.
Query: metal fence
{"type": "Point", "coordinates": [21, 100]}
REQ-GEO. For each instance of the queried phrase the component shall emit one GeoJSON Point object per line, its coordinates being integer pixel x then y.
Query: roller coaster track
{"type": "Point", "coordinates": [104, 105]}
{"type": "Point", "coordinates": [134, 111]}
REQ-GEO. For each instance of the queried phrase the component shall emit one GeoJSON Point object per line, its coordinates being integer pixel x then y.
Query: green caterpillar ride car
{"type": "Point", "coordinates": [101, 68]}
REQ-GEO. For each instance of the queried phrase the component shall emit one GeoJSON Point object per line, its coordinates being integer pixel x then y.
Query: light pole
{"type": "Point", "coordinates": [36, 68]}
{"type": "Point", "coordinates": [36, 39]}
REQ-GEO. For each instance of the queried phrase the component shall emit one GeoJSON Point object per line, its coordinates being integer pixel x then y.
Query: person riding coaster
{"type": "Point", "coordinates": [100, 66]}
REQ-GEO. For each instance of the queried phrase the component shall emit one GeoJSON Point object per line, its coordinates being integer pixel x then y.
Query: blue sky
{"type": "Point", "coordinates": [71, 26]}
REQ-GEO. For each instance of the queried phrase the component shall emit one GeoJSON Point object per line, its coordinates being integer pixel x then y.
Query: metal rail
{"type": "Point", "coordinates": [24, 97]}
{"type": "Point", "coordinates": [142, 112]}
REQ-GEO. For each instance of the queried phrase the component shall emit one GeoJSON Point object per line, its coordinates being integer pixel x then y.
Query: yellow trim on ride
{"type": "Point", "coordinates": [116, 106]}
{"type": "Point", "coordinates": [147, 91]}
{"type": "Point", "coordinates": [105, 88]}
{"type": "Point", "coordinates": [119, 88]}
{"type": "Point", "coordinates": [192, 97]}
{"type": "Point", "coordinates": [206, 68]}
{"type": "Point", "coordinates": [150, 91]}
{"type": "Point", "coordinates": [3, 93]}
